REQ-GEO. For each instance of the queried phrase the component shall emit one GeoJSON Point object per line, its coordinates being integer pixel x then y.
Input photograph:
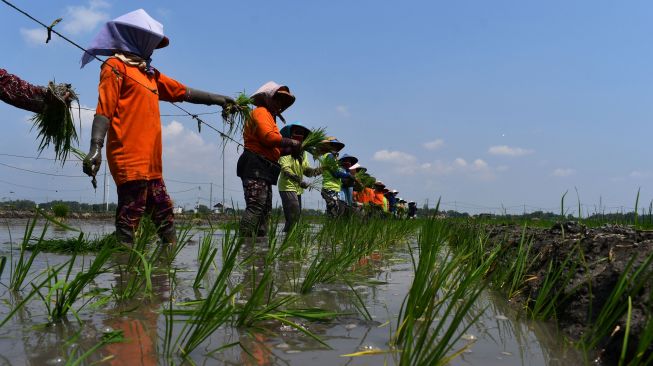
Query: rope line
{"type": "Point", "coordinates": [104, 62]}
{"type": "Point", "coordinates": [43, 173]}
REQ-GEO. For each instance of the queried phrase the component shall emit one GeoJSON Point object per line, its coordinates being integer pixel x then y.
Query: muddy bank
{"type": "Point", "coordinates": [598, 258]}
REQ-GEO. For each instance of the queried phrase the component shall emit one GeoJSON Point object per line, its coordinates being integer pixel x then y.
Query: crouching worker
{"type": "Point", "coordinates": [128, 110]}
{"type": "Point", "coordinates": [258, 166]}
{"type": "Point", "coordinates": [291, 182]}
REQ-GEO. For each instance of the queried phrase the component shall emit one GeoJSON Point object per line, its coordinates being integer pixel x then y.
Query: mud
{"type": "Point", "coordinates": [607, 251]}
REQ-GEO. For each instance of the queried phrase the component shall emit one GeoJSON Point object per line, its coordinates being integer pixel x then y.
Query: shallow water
{"type": "Point", "coordinates": [499, 337]}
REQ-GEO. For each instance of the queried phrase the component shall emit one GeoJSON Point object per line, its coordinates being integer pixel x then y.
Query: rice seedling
{"type": "Point", "coordinates": [20, 269]}
{"type": "Point", "coordinates": [135, 275]}
{"type": "Point", "coordinates": [63, 293]}
{"type": "Point", "coordinates": [205, 255]}
{"type": "Point", "coordinates": [236, 116]}
{"type": "Point", "coordinates": [314, 139]}
{"type": "Point", "coordinates": [75, 359]}
{"type": "Point", "coordinates": [642, 354]}
{"type": "Point", "coordinates": [214, 310]}
{"type": "Point", "coordinates": [328, 164]}
{"type": "Point", "coordinates": [445, 287]}
{"type": "Point", "coordinates": [55, 123]}
{"type": "Point", "coordinates": [557, 276]}
{"type": "Point", "coordinates": [630, 283]}
{"type": "Point", "coordinates": [78, 244]}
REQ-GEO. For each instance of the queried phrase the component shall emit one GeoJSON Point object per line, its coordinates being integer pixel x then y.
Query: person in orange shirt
{"type": "Point", "coordinates": [257, 166]}
{"type": "Point", "coordinates": [128, 109]}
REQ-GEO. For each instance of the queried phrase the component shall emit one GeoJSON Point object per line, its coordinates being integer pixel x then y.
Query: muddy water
{"type": "Point", "coordinates": [499, 337]}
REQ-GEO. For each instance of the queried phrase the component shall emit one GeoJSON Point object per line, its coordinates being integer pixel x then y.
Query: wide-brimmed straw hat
{"type": "Point", "coordinates": [379, 184]}
{"type": "Point", "coordinates": [286, 130]}
{"type": "Point", "coordinates": [348, 158]}
{"type": "Point", "coordinates": [333, 144]}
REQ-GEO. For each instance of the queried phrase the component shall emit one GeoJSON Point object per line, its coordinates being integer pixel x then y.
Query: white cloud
{"type": "Point", "coordinates": [640, 174]}
{"type": "Point", "coordinates": [479, 165]}
{"type": "Point", "coordinates": [394, 157]}
{"type": "Point", "coordinates": [34, 36]}
{"type": "Point", "coordinates": [76, 20]}
{"type": "Point", "coordinates": [434, 145]}
{"type": "Point", "coordinates": [460, 162]}
{"type": "Point", "coordinates": [82, 19]}
{"type": "Point", "coordinates": [509, 151]}
{"type": "Point", "coordinates": [343, 110]}
{"type": "Point", "coordinates": [563, 172]}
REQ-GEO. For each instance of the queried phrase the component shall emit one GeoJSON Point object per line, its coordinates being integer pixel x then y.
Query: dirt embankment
{"type": "Point", "coordinates": [606, 253]}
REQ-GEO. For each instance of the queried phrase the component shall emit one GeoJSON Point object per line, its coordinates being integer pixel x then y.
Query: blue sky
{"type": "Point", "coordinates": [487, 104]}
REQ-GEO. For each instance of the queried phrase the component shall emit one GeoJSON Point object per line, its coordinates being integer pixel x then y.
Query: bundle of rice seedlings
{"type": "Point", "coordinates": [239, 114]}
{"type": "Point", "coordinates": [314, 140]}
{"type": "Point", "coordinates": [315, 185]}
{"type": "Point", "coordinates": [366, 180]}
{"type": "Point", "coordinates": [329, 164]}
{"type": "Point", "coordinates": [55, 123]}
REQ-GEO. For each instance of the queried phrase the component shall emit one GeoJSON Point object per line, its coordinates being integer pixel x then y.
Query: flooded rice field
{"type": "Point", "coordinates": [279, 304]}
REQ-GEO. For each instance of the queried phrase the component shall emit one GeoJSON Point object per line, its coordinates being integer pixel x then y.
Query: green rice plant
{"type": "Point", "coordinates": [445, 287]}
{"type": "Point", "coordinates": [562, 205]}
{"type": "Point", "coordinates": [580, 214]}
{"type": "Point", "coordinates": [55, 123]}
{"type": "Point", "coordinates": [205, 255]}
{"type": "Point", "coordinates": [236, 116]}
{"type": "Point", "coordinates": [630, 283]}
{"type": "Point", "coordinates": [641, 356]}
{"type": "Point", "coordinates": [557, 276]}
{"type": "Point", "coordinates": [314, 139]}
{"type": "Point", "coordinates": [214, 310]}
{"type": "Point", "coordinates": [78, 244]}
{"type": "Point", "coordinates": [20, 269]}
{"type": "Point", "coordinates": [61, 210]}
{"type": "Point", "coordinates": [64, 292]}
{"type": "Point", "coordinates": [3, 263]}
{"type": "Point", "coordinates": [637, 205]}
{"type": "Point", "coordinates": [328, 164]}
{"type": "Point", "coordinates": [135, 275]}
{"type": "Point", "coordinates": [624, 344]}
{"type": "Point", "coordinates": [366, 180]}
{"type": "Point", "coordinates": [75, 359]}
{"type": "Point", "coordinates": [512, 272]}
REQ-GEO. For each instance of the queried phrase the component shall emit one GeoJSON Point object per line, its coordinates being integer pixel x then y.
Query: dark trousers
{"type": "Point", "coordinates": [292, 208]}
{"type": "Point", "coordinates": [139, 197]}
{"type": "Point", "coordinates": [258, 205]}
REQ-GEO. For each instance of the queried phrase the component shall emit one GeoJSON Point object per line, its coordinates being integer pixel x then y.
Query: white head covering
{"type": "Point", "coordinates": [135, 32]}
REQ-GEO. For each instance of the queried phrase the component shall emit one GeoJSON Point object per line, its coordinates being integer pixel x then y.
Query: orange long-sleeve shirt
{"type": "Point", "coordinates": [378, 198]}
{"type": "Point", "coordinates": [364, 196]}
{"type": "Point", "coordinates": [134, 137]}
{"type": "Point", "coordinates": [261, 135]}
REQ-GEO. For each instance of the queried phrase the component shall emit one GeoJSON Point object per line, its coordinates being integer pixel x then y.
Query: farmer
{"type": "Point", "coordinates": [412, 210]}
{"type": "Point", "coordinates": [331, 176]}
{"type": "Point", "coordinates": [128, 109]}
{"type": "Point", "coordinates": [379, 198]}
{"type": "Point", "coordinates": [258, 165]}
{"type": "Point", "coordinates": [347, 182]}
{"type": "Point", "coordinates": [34, 98]}
{"type": "Point", "coordinates": [293, 168]}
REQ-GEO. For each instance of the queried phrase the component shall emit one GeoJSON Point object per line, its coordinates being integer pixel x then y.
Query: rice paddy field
{"type": "Point", "coordinates": [404, 292]}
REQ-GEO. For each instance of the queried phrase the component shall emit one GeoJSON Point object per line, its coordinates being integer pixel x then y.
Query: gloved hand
{"type": "Point", "coordinates": [304, 184]}
{"type": "Point", "coordinates": [290, 146]}
{"type": "Point", "coordinates": [201, 97]}
{"type": "Point", "coordinates": [93, 159]}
